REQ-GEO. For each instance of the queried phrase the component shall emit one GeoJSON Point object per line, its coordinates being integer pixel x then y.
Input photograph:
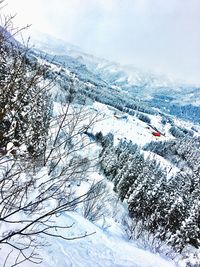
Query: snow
{"type": "Point", "coordinates": [131, 128]}
{"type": "Point", "coordinates": [107, 243]}
{"type": "Point", "coordinates": [138, 131]}
{"type": "Point", "coordinates": [171, 169]}
{"type": "Point", "coordinates": [101, 249]}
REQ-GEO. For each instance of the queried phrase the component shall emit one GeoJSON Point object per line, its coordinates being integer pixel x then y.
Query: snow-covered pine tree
{"type": "Point", "coordinates": [138, 189]}
{"type": "Point", "coordinates": [122, 174]}
{"type": "Point", "coordinates": [189, 230]}
{"type": "Point", "coordinates": [144, 199]}
{"type": "Point", "coordinates": [108, 159]}
{"type": "Point", "coordinates": [177, 205]}
{"type": "Point", "coordinates": [25, 103]}
{"type": "Point", "coordinates": [136, 168]}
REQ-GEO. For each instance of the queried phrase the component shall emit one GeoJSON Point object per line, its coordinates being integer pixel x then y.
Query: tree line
{"type": "Point", "coordinates": [166, 207]}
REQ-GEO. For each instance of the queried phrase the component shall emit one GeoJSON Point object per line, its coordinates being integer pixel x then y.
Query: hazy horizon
{"type": "Point", "coordinates": [153, 35]}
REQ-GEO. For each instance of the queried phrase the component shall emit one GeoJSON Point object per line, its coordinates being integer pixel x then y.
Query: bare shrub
{"type": "Point", "coordinates": [136, 230]}
{"type": "Point", "coordinates": [95, 206]}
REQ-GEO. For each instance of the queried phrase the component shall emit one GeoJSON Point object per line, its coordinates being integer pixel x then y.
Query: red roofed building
{"type": "Point", "coordinates": [156, 134]}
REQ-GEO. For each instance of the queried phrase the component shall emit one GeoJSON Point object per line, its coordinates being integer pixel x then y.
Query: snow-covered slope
{"type": "Point", "coordinates": [105, 248]}
{"type": "Point", "coordinates": [107, 243]}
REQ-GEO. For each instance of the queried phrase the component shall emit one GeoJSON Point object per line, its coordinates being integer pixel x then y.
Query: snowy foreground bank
{"type": "Point", "coordinates": [103, 248]}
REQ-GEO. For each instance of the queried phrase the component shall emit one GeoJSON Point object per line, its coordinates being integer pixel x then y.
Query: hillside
{"type": "Point", "coordinates": [91, 173]}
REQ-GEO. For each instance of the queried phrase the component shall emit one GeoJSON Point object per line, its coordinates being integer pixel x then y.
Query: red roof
{"type": "Point", "coordinates": [156, 133]}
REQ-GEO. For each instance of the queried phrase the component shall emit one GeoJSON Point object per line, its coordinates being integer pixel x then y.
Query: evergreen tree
{"type": "Point", "coordinates": [137, 166]}
{"type": "Point", "coordinates": [24, 100]}
{"type": "Point", "coordinates": [109, 162]}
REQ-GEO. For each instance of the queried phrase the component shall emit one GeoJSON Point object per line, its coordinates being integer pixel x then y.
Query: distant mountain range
{"type": "Point", "coordinates": [148, 89]}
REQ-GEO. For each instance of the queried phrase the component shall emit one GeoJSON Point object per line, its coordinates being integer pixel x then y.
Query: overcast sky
{"type": "Point", "coordinates": [162, 36]}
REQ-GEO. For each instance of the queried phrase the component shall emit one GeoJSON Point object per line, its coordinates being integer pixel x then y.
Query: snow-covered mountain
{"type": "Point", "coordinates": [149, 89]}
{"type": "Point", "coordinates": [134, 126]}
{"type": "Point", "coordinates": [128, 77]}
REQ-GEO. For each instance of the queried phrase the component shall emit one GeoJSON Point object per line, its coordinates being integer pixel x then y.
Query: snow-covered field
{"type": "Point", "coordinates": [130, 127]}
